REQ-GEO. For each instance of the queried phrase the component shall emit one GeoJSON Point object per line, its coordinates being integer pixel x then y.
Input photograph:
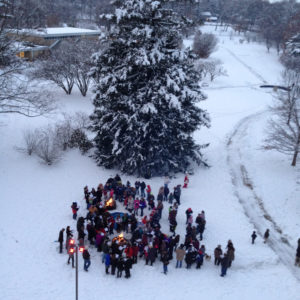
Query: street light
{"type": "Point", "coordinates": [277, 87]}
{"type": "Point", "coordinates": [73, 247]}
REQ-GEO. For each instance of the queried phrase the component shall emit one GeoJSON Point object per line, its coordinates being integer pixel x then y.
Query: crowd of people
{"type": "Point", "coordinates": [123, 239]}
{"type": "Point", "coordinates": [144, 237]}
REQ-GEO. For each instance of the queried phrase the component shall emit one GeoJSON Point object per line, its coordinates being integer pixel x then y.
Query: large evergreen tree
{"type": "Point", "coordinates": [146, 93]}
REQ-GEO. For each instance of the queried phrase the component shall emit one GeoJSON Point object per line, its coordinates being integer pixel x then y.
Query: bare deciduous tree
{"type": "Point", "coordinates": [31, 139]}
{"type": "Point", "coordinates": [48, 149]}
{"type": "Point", "coordinates": [284, 128]}
{"type": "Point", "coordinates": [80, 120]}
{"type": "Point", "coordinates": [68, 64]}
{"type": "Point", "coordinates": [210, 67]}
{"type": "Point", "coordinates": [82, 52]}
{"type": "Point", "coordinates": [58, 67]}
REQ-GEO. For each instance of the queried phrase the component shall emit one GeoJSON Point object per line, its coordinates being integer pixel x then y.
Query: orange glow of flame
{"type": "Point", "coordinates": [109, 202]}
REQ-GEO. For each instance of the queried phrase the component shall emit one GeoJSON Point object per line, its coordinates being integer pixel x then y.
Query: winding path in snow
{"type": "Point", "coordinates": [252, 203]}
{"type": "Point", "coordinates": [250, 69]}
{"type": "Point", "coordinates": [244, 187]}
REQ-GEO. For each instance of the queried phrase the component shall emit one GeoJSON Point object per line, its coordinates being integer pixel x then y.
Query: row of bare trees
{"type": "Point", "coordinates": [68, 64]}
{"type": "Point", "coordinates": [49, 142]}
{"type": "Point", "coordinates": [284, 127]}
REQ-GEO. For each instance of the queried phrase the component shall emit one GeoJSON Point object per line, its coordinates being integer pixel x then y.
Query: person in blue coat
{"type": "Point", "coordinates": [107, 262]}
{"type": "Point", "coordinates": [200, 256]}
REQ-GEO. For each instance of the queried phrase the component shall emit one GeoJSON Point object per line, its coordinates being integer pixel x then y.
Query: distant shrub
{"type": "Point", "coordinates": [204, 44]}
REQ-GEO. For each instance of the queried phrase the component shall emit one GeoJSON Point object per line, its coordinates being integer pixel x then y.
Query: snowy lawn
{"type": "Point", "coordinates": [36, 199]}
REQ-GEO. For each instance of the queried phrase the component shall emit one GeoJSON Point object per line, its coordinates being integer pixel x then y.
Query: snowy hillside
{"type": "Point", "coordinates": [245, 189]}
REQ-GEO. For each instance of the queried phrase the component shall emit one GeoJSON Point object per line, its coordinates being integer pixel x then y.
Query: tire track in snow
{"type": "Point", "coordinates": [253, 204]}
{"type": "Point", "coordinates": [257, 75]}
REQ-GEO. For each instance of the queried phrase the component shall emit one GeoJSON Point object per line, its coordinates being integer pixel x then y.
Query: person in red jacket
{"type": "Point", "coordinates": [135, 251]}
{"type": "Point", "coordinates": [186, 181]}
{"type": "Point", "coordinates": [148, 191]}
{"type": "Point", "coordinates": [129, 251]}
{"type": "Point", "coordinates": [74, 210]}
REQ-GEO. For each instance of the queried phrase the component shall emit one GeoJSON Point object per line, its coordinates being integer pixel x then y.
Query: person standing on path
{"type": "Point", "coordinates": [266, 235]}
{"type": "Point", "coordinates": [253, 237]}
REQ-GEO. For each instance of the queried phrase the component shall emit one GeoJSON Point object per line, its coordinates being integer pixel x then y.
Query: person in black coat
{"type": "Point", "coordinates": [113, 263]}
{"type": "Point", "coordinates": [143, 186]}
{"type": "Point", "coordinates": [98, 195]}
{"type": "Point", "coordinates": [69, 236]}
{"type": "Point", "coordinates": [200, 225]}
{"type": "Point", "coordinates": [253, 237]}
{"type": "Point", "coordinates": [224, 265]}
{"type": "Point", "coordinates": [120, 267]}
{"type": "Point", "coordinates": [189, 258]}
{"type": "Point", "coordinates": [80, 223]}
{"type": "Point", "coordinates": [165, 261]}
{"type": "Point", "coordinates": [61, 240]}
{"type": "Point", "coordinates": [127, 266]}
{"type": "Point", "coordinates": [151, 255]}
{"type": "Point", "coordinates": [81, 236]}
{"type": "Point", "coordinates": [91, 232]}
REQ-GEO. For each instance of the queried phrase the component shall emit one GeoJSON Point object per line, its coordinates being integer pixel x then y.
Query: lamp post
{"type": "Point", "coordinates": [73, 247]}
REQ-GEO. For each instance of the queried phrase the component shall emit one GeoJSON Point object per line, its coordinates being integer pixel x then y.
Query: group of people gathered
{"type": "Point", "coordinates": [139, 236]}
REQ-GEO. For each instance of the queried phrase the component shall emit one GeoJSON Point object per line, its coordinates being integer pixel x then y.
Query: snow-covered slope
{"type": "Point", "coordinates": [35, 202]}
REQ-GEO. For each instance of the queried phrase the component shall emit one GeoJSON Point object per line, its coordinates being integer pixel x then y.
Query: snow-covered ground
{"type": "Point", "coordinates": [245, 189]}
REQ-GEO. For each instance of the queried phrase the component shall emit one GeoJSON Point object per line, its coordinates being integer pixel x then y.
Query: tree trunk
{"type": "Point", "coordinates": [294, 162]}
